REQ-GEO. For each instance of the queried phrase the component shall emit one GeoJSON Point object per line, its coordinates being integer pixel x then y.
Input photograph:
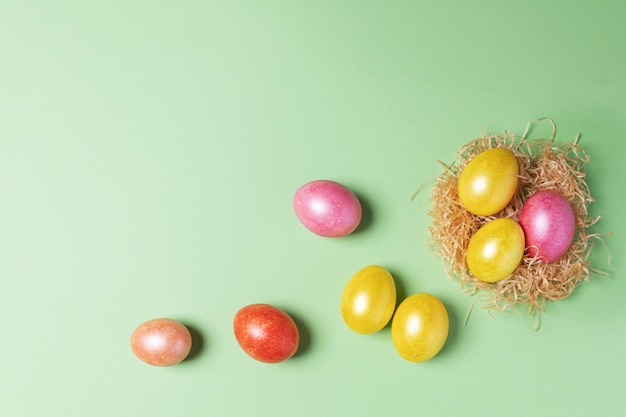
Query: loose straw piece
{"type": "Point", "coordinates": [416, 192]}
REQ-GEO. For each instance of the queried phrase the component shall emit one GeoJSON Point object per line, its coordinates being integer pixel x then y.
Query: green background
{"type": "Point", "coordinates": [149, 152]}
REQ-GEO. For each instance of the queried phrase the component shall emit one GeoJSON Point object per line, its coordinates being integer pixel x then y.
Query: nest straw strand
{"type": "Point", "coordinates": [543, 165]}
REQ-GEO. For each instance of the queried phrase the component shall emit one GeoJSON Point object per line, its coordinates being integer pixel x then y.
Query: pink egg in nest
{"type": "Point", "coordinates": [549, 224]}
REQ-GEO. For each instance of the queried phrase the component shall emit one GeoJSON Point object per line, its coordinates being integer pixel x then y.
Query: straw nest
{"type": "Point", "coordinates": [543, 165]}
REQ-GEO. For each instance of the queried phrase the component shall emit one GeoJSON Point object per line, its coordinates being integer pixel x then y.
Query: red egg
{"type": "Point", "coordinates": [266, 333]}
{"type": "Point", "coordinates": [161, 342]}
{"type": "Point", "coordinates": [549, 224]}
{"type": "Point", "coordinates": [327, 208]}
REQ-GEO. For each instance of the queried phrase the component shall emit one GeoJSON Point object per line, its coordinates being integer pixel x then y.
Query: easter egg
{"type": "Point", "coordinates": [488, 181]}
{"type": "Point", "coordinates": [369, 299]}
{"type": "Point", "coordinates": [549, 224]}
{"type": "Point", "coordinates": [327, 208]}
{"type": "Point", "coordinates": [419, 328]}
{"type": "Point", "coordinates": [495, 250]}
{"type": "Point", "coordinates": [266, 333]}
{"type": "Point", "coordinates": [161, 342]}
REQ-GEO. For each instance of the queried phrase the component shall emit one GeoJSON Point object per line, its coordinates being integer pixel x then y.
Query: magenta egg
{"type": "Point", "coordinates": [549, 224]}
{"type": "Point", "coordinates": [327, 208]}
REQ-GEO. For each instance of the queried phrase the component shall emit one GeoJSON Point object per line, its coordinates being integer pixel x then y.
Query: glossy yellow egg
{"type": "Point", "coordinates": [419, 328]}
{"type": "Point", "coordinates": [369, 299]}
{"type": "Point", "coordinates": [495, 250]}
{"type": "Point", "coordinates": [488, 181]}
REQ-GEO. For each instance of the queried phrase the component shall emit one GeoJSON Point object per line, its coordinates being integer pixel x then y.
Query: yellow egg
{"type": "Point", "coordinates": [488, 181]}
{"type": "Point", "coordinates": [369, 299]}
{"type": "Point", "coordinates": [419, 328]}
{"type": "Point", "coordinates": [495, 250]}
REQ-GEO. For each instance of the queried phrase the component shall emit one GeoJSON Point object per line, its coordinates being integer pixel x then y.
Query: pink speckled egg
{"type": "Point", "coordinates": [327, 208]}
{"type": "Point", "coordinates": [549, 224]}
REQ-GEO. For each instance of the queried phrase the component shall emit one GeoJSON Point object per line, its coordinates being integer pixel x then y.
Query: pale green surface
{"type": "Point", "coordinates": [149, 152]}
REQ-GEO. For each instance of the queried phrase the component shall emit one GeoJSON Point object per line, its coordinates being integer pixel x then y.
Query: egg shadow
{"type": "Point", "coordinates": [399, 281]}
{"type": "Point", "coordinates": [304, 333]}
{"type": "Point", "coordinates": [198, 343]}
{"type": "Point", "coordinates": [455, 318]}
{"type": "Point", "coordinates": [366, 214]}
